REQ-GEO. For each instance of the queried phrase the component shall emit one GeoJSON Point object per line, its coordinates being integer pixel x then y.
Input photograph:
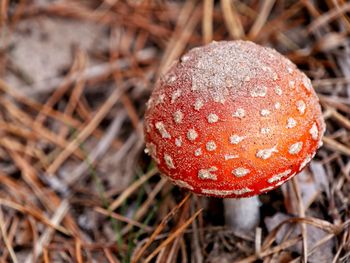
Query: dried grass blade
{"type": "Point", "coordinates": [48, 111]}
{"type": "Point", "coordinates": [119, 217]}
{"type": "Point", "coordinates": [100, 71]}
{"type": "Point", "coordinates": [47, 235]}
{"type": "Point", "coordinates": [78, 255]}
{"type": "Point", "coordinates": [5, 238]}
{"type": "Point", "coordinates": [270, 251]}
{"type": "Point", "coordinates": [207, 22]}
{"type": "Point", "coordinates": [34, 212]}
{"type": "Point", "coordinates": [85, 133]}
{"type": "Point", "coordinates": [344, 121]}
{"type": "Point", "coordinates": [159, 228]}
{"type": "Point", "coordinates": [128, 191]}
{"type": "Point", "coordinates": [327, 17]}
{"type": "Point", "coordinates": [261, 19]}
{"type": "Point", "coordinates": [232, 20]}
{"type": "Point", "coordinates": [174, 235]}
{"type": "Point", "coordinates": [301, 214]}
{"type": "Point", "coordinates": [186, 24]}
{"type": "Point", "coordinates": [150, 200]}
{"type": "Point", "coordinates": [50, 200]}
{"type": "Point", "coordinates": [336, 146]}
{"type": "Point", "coordinates": [15, 145]}
{"type": "Point", "coordinates": [101, 148]}
{"type": "Point", "coordinates": [38, 129]}
{"type": "Point", "coordinates": [77, 92]}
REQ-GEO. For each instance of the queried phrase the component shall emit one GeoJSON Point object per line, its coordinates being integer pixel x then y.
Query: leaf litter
{"type": "Point", "coordinates": [75, 183]}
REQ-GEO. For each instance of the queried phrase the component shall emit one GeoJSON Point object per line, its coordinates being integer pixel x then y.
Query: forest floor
{"type": "Point", "coordinates": [75, 184]}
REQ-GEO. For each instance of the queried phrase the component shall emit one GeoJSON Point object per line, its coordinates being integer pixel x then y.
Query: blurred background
{"type": "Point", "coordinates": [75, 185]}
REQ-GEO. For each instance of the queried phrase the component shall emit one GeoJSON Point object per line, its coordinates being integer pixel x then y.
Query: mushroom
{"type": "Point", "coordinates": [233, 119]}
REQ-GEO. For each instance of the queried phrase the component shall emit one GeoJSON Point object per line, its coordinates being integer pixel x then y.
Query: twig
{"type": "Point", "coordinates": [173, 235]}
{"type": "Point", "coordinates": [85, 133]}
{"type": "Point", "coordinates": [99, 151]}
{"type": "Point", "coordinates": [232, 20]}
{"type": "Point", "coordinates": [5, 238]}
{"type": "Point", "coordinates": [301, 214]}
{"type": "Point", "coordinates": [47, 235]}
{"type": "Point", "coordinates": [160, 227]}
{"type": "Point", "coordinates": [334, 145]}
{"type": "Point", "coordinates": [127, 192]}
{"type": "Point", "coordinates": [207, 21]}
{"type": "Point", "coordinates": [261, 19]}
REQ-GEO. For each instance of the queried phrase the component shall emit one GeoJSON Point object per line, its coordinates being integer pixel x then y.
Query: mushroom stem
{"type": "Point", "coordinates": [242, 214]}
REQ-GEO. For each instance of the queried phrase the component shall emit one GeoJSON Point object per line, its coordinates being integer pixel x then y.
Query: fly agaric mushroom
{"type": "Point", "coordinates": [233, 119]}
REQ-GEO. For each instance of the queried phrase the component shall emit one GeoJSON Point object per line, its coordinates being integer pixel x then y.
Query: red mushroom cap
{"type": "Point", "coordinates": [233, 119]}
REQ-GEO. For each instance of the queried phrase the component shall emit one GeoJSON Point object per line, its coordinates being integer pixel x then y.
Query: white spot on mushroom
{"type": "Point", "coordinates": [183, 184]}
{"type": "Point", "coordinates": [194, 86]}
{"type": "Point", "coordinates": [247, 78]}
{"type": "Point", "coordinates": [240, 172]}
{"type": "Point", "coordinates": [178, 141]}
{"type": "Point", "coordinates": [160, 99]}
{"type": "Point", "coordinates": [212, 118]}
{"type": "Point", "coordinates": [290, 70]}
{"type": "Point", "coordinates": [198, 152]}
{"type": "Point", "coordinates": [228, 82]}
{"type": "Point", "coordinates": [259, 91]}
{"type": "Point", "coordinates": [320, 144]}
{"type": "Point", "coordinates": [226, 192]}
{"type": "Point", "coordinates": [148, 126]}
{"type": "Point", "coordinates": [149, 103]}
{"type": "Point", "coordinates": [314, 132]}
{"type": "Point", "coordinates": [291, 123]}
{"type": "Point", "coordinates": [279, 176]}
{"type": "Point", "coordinates": [264, 68]}
{"type": "Point", "coordinates": [218, 97]}
{"type": "Point", "coordinates": [210, 146]}
{"type": "Point", "coordinates": [269, 54]}
{"type": "Point", "coordinates": [208, 173]}
{"type": "Point", "coordinates": [169, 161]}
{"type": "Point", "coordinates": [239, 113]}
{"type": "Point", "coordinates": [185, 58]}
{"type": "Point", "coordinates": [265, 130]}
{"type": "Point", "coordinates": [236, 139]}
{"type": "Point", "coordinates": [266, 189]}
{"type": "Point", "coordinates": [277, 105]}
{"type": "Point", "coordinates": [307, 83]}
{"type": "Point", "coordinates": [265, 112]}
{"type": "Point", "coordinates": [266, 153]}
{"type": "Point", "coordinates": [242, 191]}
{"type": "Point", "coordinates": [305, 162]}
{"type": "Point", "coordinates": [215, 192]}
{"type": "Point", "coordinates": [281, 182]}
{"type": "Point", "coordinates": [274, 76]}
{"type": "Point", "coordinates": [178, 116]}
{"type": "Point", "coordinates": [278, 90]}
{"type": "Point", "coordinates": [151, 149]}
{"type": "Point", "coordinates": [301, 106]}
{"type": "Point", "coordinates": [231, 156]}
{"type": "Point", "coordinates": [172, 79]}
{"type": "Point", "coordinates": [161, 129]}
{"type": "Point", "coordinates": [176, 94]}
{"type": "Point", "coordinates": [291, 84]}
{"type": "Point", "coordinates": [295, 148]}
{"type": "Point", "coordinates": [192, 134]}
{"type": "Point", "coordinates": [198, 104]}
